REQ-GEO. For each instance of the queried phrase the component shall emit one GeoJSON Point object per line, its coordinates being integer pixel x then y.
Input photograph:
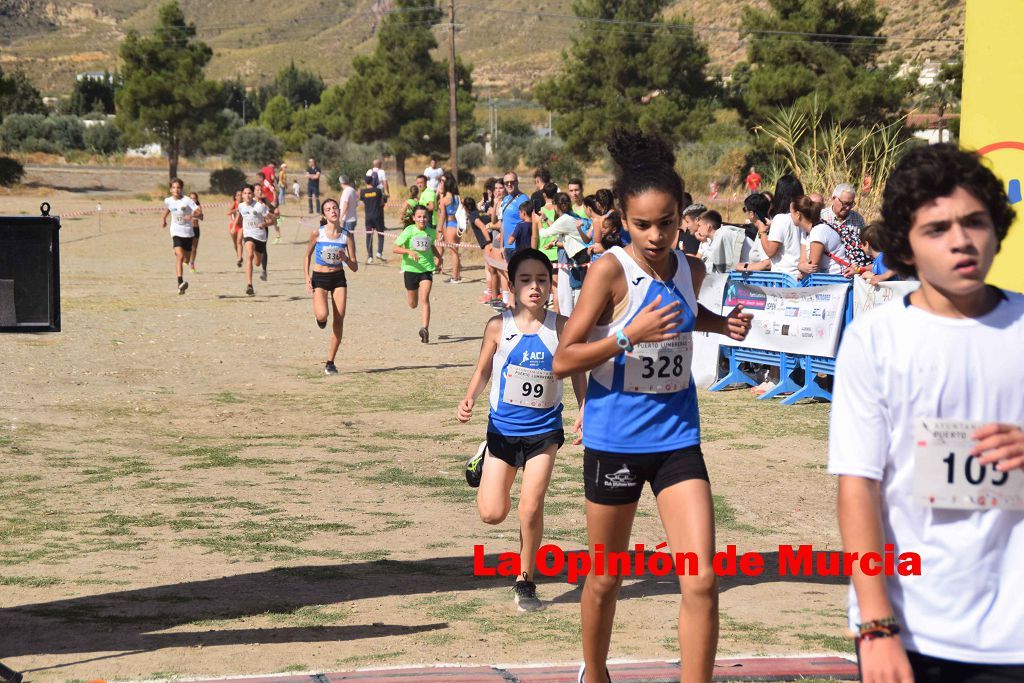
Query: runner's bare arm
{"type": "Point", "coordinates": [198, 213]}
{"type": "Point", "coordinates": [163, 221]}
{"type": "Point", "coordinates": [579, 379]}
{"type": "Point", "coordinates": [350, 251]}
{"type": "Point", "coordinates": [602, 288]}
{"type": "Point", "coordinates": [309, 254]}
{"type": "Point", "coordinates": [482, 375]}
{"type": "Point", "coordinates": [860, 525]}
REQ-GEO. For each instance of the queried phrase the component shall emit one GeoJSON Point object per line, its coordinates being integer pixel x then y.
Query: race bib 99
{"type": "Point", "coordinates": [946, 475]}
{"type": "Point", "coordinates": [529, 387]}
{"type": "Point", "coordinates": [660, 367]}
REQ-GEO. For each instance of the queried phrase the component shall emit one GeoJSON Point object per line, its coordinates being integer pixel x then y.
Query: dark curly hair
{"type": "Point", "coordinates": [642, 163]}
{"type": "Point", "coordinates": [925, 174]}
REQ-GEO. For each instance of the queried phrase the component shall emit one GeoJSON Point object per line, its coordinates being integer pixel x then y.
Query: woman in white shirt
{"type": "Point", "coordinates": [781, 240]}
{"type": "Point", "coordinates": [821, 247]}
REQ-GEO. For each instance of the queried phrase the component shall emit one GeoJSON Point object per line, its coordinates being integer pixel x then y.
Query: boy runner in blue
{"type": "Point", "coordinates": [632, 328]}
{"type": "Point", "coordinates": [524, 426]}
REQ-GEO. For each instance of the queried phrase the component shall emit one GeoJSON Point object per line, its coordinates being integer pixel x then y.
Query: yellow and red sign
{"type": "Point", "coordinates": [993, 114]}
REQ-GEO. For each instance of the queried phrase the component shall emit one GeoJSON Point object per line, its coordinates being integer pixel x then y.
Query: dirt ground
{"type": "Point", "coordinates": [185, 493]}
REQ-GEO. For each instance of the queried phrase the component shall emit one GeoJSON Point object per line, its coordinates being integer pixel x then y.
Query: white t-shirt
{"type": "Point", "coordinates": [898, 364]}
{"type": "Point", "coordinates": [826, 235]}
{"type": "Point", "coordinates": [382, 177]}
{"type": "Point", "coordinates": [252, 216]}
{"type": "Point", "coordinates": [724, 250]}
{"type": "Point", "coordinates": [348, 194]}
{"type": "Point", "coordinates": [787, 258]}
{"type": "Point", "coordinates": [181, 216]}
{"type": "Point", "coordinates": [433, 176]}
{"type": "Point", "coordinates": [756, 251]}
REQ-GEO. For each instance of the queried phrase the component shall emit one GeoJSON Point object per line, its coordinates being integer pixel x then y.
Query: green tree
{"type": "Point", "coordinates": [165, 94]}
{"type": "Point", "coordinates": [92, 95]}
{"type": "Point", "coordinates": [399, 94]}
{"type": "Point", "coordinates": [802, 50]}
{"type": "Point", "coordinates": [300, 87]}
{"type": "Point", "coordinates": [653, 77]}
{"type": "Point", "coordinates": [278, 115]}
{"type": "Point", "coordinates": [19, 96]}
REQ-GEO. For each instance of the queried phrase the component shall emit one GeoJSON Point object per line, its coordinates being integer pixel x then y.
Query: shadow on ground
{"type": "Point", "coordinates": [137, 619]}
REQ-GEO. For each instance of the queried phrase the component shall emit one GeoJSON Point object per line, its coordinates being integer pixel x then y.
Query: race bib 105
{"type": "Point", "coordinates": [947, 476]}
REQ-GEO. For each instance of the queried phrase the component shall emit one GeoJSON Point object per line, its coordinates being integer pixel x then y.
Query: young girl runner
{"type": "Point", "coordinates": [632, 327]}
{"type": "Point", "coordinates": [524, 427]}
{"type": "Point", "coordinates": [254, 216]}
{"type": "Point", "coordinates": [235, 227]}
{"type": "Point", "coordinates": [416, 245]}
{"type": "Point", "coordinates": [181, 209]}
{"type": "Point", "coordinates": [195, 230]}
{"type": "Point", "coordinates": [333, 249]}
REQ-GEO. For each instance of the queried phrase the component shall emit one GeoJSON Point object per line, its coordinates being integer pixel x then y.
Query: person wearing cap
{"type": "Point", "coordinates": [347, 205]}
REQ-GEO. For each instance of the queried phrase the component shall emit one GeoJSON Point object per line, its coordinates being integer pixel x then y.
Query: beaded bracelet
{"type": "Point", "coordinates": [879, 628]}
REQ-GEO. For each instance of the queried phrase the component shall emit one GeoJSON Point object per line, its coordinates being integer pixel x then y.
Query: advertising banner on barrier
{"type": "Point", "coordinates": [801, 320]}
{"type": "Point", "coordinates": [705, 344]}
{"type": "Point", "coordinates": [866, 297]}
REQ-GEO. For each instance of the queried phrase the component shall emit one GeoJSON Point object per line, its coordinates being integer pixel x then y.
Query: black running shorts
{"type": "Point", "coordinates": [329, 281]}
{"type": "Point", "coordinates": [258, 246]}
{"type": "Point", "coordinates": [183, 243]}
{"type": "Point", "coordinates": [517, 450]}
{"type": "Point", "coordinates": [413, 280]}
{"type": "Point", "coordinates": [618, 478]}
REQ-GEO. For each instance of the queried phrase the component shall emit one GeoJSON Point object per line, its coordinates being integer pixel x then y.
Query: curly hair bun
{"type": "Point", "coordinates": [631, 149]}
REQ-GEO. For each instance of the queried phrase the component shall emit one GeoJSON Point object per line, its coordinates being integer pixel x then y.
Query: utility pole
{"type": "Point", "coordinates": [453, 133]}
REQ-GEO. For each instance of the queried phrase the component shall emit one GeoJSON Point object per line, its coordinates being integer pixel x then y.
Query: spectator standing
{"type": "Point", "coordinates": [347, 210]}
{"type": "Point", "coordinates": [433, 174]}
{"type": "Point", "coordinates": [847, 222]}
{"type": "Point", "coordinates": [313, 184]}
{"type": "Point", "coordinates": [753, 181]}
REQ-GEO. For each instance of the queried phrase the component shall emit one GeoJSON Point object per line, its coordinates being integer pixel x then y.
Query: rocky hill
{"type": "Point", "coordinates": [511, 44]}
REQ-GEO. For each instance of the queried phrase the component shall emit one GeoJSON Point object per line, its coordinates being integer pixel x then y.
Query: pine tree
{"type": "Point", "coordinates": [801, 50]}
{"type": "Point", "coordinates": [627, 67]}
{"type": "Point", "coordinates": [399, 94]}
{"type": "Point", "coordinates": [165, 95]}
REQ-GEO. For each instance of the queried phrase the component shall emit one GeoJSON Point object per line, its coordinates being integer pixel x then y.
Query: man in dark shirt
{"type": "Point", "coordinates": [372, 198]}
{"type": "Point", "coordinates": [313, 184]}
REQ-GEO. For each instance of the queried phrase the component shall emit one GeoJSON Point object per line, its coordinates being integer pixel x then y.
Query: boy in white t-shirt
{"type": "Point", "coordinates": [181, 210]}
{"type": "Point", "coordinates": [909, 475]}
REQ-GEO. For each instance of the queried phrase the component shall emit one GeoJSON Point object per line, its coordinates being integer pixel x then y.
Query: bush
{"type": "Point", "coordinates": [17, 129]}
{"type": "Point", "coordinates": [328, 153]}
{"type": "Point", "coordinates": [104, 138]}
{"type": "Point", "coordinates": [11, 172]}
{"type": "Point", "coordinates": [507, 157]}
{"type": "Point", "coordinates": [66, 132]}
{"type": "Point", "coordinates": [552, 155]}
{"type": "Point", "coordinates": [354, 161]}
{"type": "Point", "coordinates": [471, 156]}
{"type": "Point", "coordinates": [253, 145]}
{"type": "Point", "coordinates": [227, 181]}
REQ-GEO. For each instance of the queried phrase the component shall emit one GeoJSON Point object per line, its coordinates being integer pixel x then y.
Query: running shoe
{"type": "Point", "coordinates": [583, 671]}
{"type": "Point", "coordinates": [239, 263]}
{"type": "Point", "coordinates": [263, 276]}
{"type": "Point", "coordinates": [182, 287]}
{"type": "Point", "coordinates": [330, 368]}
{"type": "Point", "coordinates": [424, 335]}
{"type": "Point", "coordinates": [454, 281]}
{"type": "Point", "coordinates": [192, 267]}
{"type": "Point", "coordinates": [369, 261]}
{"type": "Point", "coordinates": [250, 291]}
{"type": "Point", "coordinates": [475, 466]}
{"type": "Point", "coordinates": [526, 596]}
{"type": "Point", "coordinates": [277, 240]}
{"type": "Point", "coordinates": [486, 299]}
{"type": "Point", "coordinates": [498, 305]}
{"type": "Point", "coordinates": [380, 257]}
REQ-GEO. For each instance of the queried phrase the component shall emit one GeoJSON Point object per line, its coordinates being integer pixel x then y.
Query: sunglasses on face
{"type": "Point", "coordinates": [511, 182]}
{"type": "Point", "coordinates": [848, 205]}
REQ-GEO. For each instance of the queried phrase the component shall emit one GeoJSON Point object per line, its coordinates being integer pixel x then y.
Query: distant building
{"type": "Point", "coordinates": [95, 76]}
{"type": "Point", "coordinates": [150, 151]}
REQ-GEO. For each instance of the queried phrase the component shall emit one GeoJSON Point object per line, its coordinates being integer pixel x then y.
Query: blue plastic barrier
{"type": "Point", "coordinates": [786, 363]}
{"type": "Point", "coordinates": [815, 365]}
